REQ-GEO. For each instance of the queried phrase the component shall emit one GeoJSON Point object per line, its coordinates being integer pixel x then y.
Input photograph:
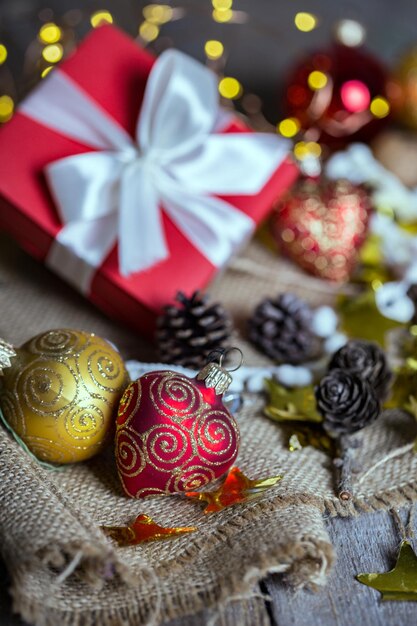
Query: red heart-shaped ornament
{"type": "Point", "coordinates": [173, 434]}
{"type": "Point", "coordinates": [322, 225]}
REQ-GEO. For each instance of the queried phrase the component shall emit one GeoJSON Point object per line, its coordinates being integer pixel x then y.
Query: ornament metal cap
{"type": "Point", "coordinates": [7, 352]}
{"type": "Point", "coordinates": [215, 375]}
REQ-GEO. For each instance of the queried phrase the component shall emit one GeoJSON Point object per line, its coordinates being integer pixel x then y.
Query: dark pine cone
{"type": "Point", "coordinates": [412, 294]}
{"type": "Point", "coordinates": [368, 361]}
{"type": "Point", "coordinates": [281, 328]}
{"type": "Point", "coordinates": [187, 333]}
{"type": "Point", "coordinates": [347, 402]}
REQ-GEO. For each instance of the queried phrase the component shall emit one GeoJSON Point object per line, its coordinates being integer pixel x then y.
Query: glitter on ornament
{"type": "Point", "coordinates": [174, 433]}
{"type": "Point", "coordinates": [338, 94]}
{"type": "Point", "coordinates": [321, 226]}
{"type": "Point", "coordinates": [60, 393]}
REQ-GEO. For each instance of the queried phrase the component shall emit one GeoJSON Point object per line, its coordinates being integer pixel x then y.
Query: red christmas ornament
{"type": "Point", "coordinates": [173, 433]}
{"type": "Point", "coordinates": [339, 95]}
{"type": "Point", "coordinates": [321, 226]}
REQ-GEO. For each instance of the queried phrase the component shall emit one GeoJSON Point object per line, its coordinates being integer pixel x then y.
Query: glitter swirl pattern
{"type": "Point", "coordinates": [174, 396]}
{"type": "Point", "coordinates": [217, 436]}
{"type": "Point", "coordinates": [183, 441]}
{"type": "Point", "coordinates": [61, 393]}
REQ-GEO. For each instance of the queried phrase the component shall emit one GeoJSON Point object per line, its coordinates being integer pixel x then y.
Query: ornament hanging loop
{"type": "Point", "coordinates": [224, 353]}
{"type": "Point", "coordinates": [215, 375]}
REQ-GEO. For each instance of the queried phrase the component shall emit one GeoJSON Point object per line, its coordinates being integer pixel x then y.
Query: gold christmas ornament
{"type": "Point", "coordinates": [59, 393]}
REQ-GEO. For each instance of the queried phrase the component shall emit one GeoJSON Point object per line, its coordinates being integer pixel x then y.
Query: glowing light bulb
{"type": "Point", "coordinates": [355, 96]}
{"type": "Point", "coordinates": [230, 88]}
{"type": "Point", "coordinates": [305, 22]}
{"type": "Point", "coordinates": [46, 71]}
{"type": "Point", "coordinates": [289, 127]}
{"type": "Point", "coordinates": [222, 15]}
{"type": "Point", "coordinates": [6, 108]}
{"type": "Point", "coordinates": [317, 80]}
{"type": "Point", "coordinates": [53, 53]}
{"type": "Point", "coordinates": [350, 33]}
{"type": "Point", "coordinates": [148, 31]}
{"type": "Point", "coordinates": [101, 17]}
{"type": "Point", "coordinates": [213, 49]}
{"type": "Point", "coordinates": [50, 33]}
{"type": "Point", "coordinates": [3, 53]}
{"type": "Point", "coordinates": [222, 5]}
{"type": "Point", "coordinates": [157, 13]}
{"type": "Point", "coordinates": [380, 107]}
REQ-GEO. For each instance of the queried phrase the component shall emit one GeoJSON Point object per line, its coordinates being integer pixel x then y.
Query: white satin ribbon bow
{"type": "Point", "coordinates": [177, 161]}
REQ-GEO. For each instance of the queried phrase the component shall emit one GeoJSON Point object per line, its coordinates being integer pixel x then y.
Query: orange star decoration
{"type": "Point", "coordinates": [143, 529]}
{"type": "Point", "coordinates": [237, 488]}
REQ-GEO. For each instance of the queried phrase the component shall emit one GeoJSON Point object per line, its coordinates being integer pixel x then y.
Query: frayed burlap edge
{"type": "Point", "coordinates": [304, 563]}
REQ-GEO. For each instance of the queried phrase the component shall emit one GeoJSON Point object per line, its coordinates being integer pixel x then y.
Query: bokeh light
{"type": "Point", "coordinates": [53, 53]}
{"type": "Point", "coordinates": [305, 22]}
{"type": "Point", "coordinates": [379, 107]}
{"type": "Point", "coordinates": [148, 31]}
{"type": "Point", "coordinates": [101, 17]}
{"type": "Point", "coordinates": [350, 33]}
{"type": "Point", "coordinates": [222, 5]}
{"type": "Point", "coordinates": [289, 127]}
{"type": "Point", "coordinates": [213, 49]}
{"type": "Point", "coordinates": [157, 13]}
{"type": "Point", "coordinates": [317, 80]}
{"type": "Point", "coordinates": [300, 150]}
{"type": "Point", "coordinates": [6, 108]}
{"type": "Point", "coordinates": [46, 71]}
{"type": "Point", "coordinates": [230, 88]}
{"type": "Point", "coordinates": [355, 96]}
{"type": "Point", "coordinates": [3, 53]}
{"type": "Point", "coordinates": [223, 15]}
{"type": "Point", "coordinates": [50, 33]}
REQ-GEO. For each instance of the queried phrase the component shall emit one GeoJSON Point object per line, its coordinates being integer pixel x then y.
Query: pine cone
{"type": "Point", "coordinates": [186, 334]}
{"type": "Point", "coordinates": [281, 328]}
{"type": "Point", "coordinates": [347, 402]}
{"type": "Point", "coordinates": [368, 361]}
{"type": "Point", "coordinates": [412, 294]}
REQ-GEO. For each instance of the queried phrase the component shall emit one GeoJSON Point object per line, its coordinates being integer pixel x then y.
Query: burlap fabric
{"type": "Point", "coordinates": [64, 571]}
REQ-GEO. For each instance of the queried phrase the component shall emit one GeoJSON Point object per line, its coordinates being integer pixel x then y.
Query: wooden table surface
{"type": "Point", "coordinates": [365, 544]}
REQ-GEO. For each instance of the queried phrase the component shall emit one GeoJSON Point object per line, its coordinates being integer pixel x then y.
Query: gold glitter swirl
{"type": "Point", "coordinates": [175, 396]}
{"type": "Point", "coordinates": [47, 387]}
{"type": "Point", "coordinates": [165, 446]}
{"type": "Point", "coordinates": [84, 423]}
{"type": "Point", "coordinates": [42, 448]}
{"type": "Point", "coordinates": [127, 411]}
{"type": "Point", "coordinates": [191, 478]}
{"type": "Point", "coordinates": [105, 371]}
{"type": "Point", "coordinates": [217, 437]}
{"type": "Point", "coordinates": [130, 460]}
{"type": "Point", "coordinates": [56, 342]}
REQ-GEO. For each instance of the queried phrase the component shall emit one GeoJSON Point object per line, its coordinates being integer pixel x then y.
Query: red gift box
{"type": "Point", "coordinates": [113, 70]}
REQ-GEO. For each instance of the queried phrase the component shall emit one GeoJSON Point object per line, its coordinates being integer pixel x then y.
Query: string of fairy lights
{"type": "Point", "coordinates": [55, 39]}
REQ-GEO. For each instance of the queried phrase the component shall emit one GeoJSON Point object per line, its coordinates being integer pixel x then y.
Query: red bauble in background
{"type": "Point", "coordinates": [173, 433]}
{"type": "Point", "coordinates": [321, 225]}
{"type": "Point", "coordinates": [339, 95]}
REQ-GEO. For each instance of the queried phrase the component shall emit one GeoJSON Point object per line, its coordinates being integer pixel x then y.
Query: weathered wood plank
{"type": "Point", "coordinates": [365, 544]}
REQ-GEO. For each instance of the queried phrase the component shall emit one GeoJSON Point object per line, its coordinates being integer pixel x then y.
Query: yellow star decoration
{"type": "Point", "coordinates": [236, 489]}
{"type": "Point", "coordinates": [401, 582]}
{"type": "Point", "coordinates": [143, 529]}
